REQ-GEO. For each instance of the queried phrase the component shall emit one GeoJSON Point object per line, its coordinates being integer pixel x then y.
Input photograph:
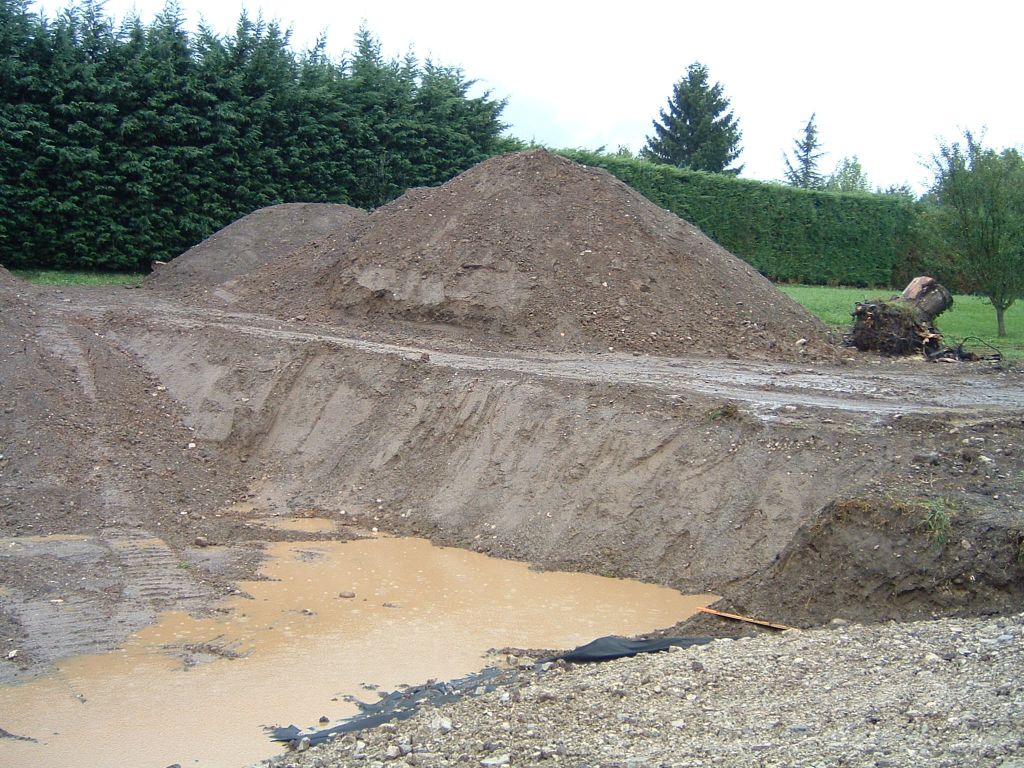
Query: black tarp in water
{"type": "Point", "coordinates": [399, 705]}
{"type": "Point", "coordinates": [612, 647]}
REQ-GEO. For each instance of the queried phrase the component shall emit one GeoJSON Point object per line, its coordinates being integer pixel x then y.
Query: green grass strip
{"type": "Point", "coordinates": [54, 277]}
{"type": "Point", "coordinates": [969, 316]}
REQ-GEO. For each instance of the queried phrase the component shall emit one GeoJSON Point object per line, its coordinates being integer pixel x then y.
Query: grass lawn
{"type": "Point", "coordinates": [969, 316]}
{"type": "Point", "coordinates": [53, 277]}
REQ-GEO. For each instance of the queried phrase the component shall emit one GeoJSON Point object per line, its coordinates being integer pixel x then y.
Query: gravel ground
{"type": "Point", "coordinates": [939, 693]}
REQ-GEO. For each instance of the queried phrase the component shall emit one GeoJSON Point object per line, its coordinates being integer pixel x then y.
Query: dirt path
{"type": "Point", "coordinates": [870, 386]}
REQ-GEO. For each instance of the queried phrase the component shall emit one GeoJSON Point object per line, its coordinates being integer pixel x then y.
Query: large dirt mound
{"type": "Point", "coordinates": [564, 256]}
{"type": "Point", "coordinates": [251, 242]}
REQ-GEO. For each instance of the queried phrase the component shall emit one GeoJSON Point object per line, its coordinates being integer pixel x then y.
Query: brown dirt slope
{"type": "Point", "coordinates": [90, 445]}
{"type": "Point", "coordinates": [251, 242]}
{"type": "Point", "coordinates": [562, 256]}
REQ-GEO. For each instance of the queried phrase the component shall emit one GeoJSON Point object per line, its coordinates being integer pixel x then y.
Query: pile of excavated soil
{"type": "Point", "coordinates": [251, 242]}
{"type": "Point", "coordinates": [556, 255]}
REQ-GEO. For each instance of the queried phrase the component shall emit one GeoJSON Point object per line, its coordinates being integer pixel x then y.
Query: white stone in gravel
{"type": "Point", "coordinates": [499, 760]}
{"type": "Point", "coordinates": [440, 724]}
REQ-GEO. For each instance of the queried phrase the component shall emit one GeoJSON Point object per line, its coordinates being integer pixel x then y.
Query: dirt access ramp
{"type": "Point", "coordinates": [538, 252]}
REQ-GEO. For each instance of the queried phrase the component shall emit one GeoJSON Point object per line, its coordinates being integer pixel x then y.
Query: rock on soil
{"type": "Point", "coordinates": [944, 693]}
{"type": "Point", "coordinates": [550, 254]}
{"type": "Point", "coordinates": [251, 242]}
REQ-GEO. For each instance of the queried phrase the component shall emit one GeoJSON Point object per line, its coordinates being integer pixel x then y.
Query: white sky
{"type": "Point", "coordinates": [887, 80]}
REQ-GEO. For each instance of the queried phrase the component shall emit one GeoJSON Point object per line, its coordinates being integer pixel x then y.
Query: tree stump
{"type": "Point", "coordinates": [903, 325]}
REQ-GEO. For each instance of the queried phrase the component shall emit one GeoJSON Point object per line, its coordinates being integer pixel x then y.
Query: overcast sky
{"type": "Point", "coordinates": [887, 80]}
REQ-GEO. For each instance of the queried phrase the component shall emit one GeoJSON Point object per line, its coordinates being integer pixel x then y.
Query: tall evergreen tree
{"type": "Point", "coordinates": [802, 170]}
{"type": "Point", "coordinates": [698, 130]}
{"type": "Point", "coordinates": [455, 131]}
{"type": "Point", "coordinates": [382, 92]}
{"type": "Point", "coordinates": [25, 93]}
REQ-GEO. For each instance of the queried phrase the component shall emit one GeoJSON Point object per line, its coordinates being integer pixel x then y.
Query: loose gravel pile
{"type": "Point", "coordinates": [941, 693]}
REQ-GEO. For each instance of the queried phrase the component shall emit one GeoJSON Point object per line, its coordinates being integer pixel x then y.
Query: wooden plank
{"type": "Point", "coordinates": [737, 617]}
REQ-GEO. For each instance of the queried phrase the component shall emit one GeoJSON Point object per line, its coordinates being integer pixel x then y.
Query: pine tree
{"type": "Point", "coordinates": [698, 130]}
{"type": "Point", "coordinates": [802, 171]}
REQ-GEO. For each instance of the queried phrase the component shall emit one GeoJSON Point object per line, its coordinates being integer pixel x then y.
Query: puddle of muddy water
{"type": "Point", "coordinates": [198, 691]}
{"type": "Point", "coordinates": [300, 524]}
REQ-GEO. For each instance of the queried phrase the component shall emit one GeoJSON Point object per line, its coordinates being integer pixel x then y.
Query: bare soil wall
{"type": "Point", "coordinates": [615, 479]}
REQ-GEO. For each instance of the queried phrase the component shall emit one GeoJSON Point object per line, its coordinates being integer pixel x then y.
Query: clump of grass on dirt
{"type": "Point", "coordinates": [969, 315]}
{"type": "Point", "coordinates": [723, 412]}
{"type": "Point", "coordinates": [56, 277]}
{"type": "Point", "coordinates": [933, 516]}
{"type": "Point", "coordinates": [938, 515]}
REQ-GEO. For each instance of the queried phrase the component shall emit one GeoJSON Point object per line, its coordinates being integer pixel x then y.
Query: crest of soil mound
{"type": "Point", "coordinates": [561, 256]}
{"type": "Point", "coordinates": [251, 242]}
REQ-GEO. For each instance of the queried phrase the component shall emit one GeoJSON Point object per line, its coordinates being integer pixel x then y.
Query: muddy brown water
{"type": "Point", "coordinates": [301, 524]}
{"type": "Point", "coordinates": [198, 691]}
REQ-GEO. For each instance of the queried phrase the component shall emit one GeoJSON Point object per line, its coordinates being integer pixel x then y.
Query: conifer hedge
{"type": "Point", "coordinates": [787, 234]}
{"type": "Point", "coordinates": [124, 142]}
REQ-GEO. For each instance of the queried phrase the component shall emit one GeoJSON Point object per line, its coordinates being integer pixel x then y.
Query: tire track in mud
{"type": "Point", "coordinates": [64, 618]}
{"type": "Point", "coordinates": [766, 388]}
{"type": "Point", "coordinates": [152, 572]}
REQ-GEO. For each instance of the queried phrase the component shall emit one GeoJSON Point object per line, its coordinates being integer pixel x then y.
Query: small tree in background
{"type": "Point", "coordinates": [848, 177]}
{"type": "Point", "coordinates": [698, 130]}
{"type": "Point", "coordinates": [802, 170]}
{"type": "Point", "coordinates": [981, 194]}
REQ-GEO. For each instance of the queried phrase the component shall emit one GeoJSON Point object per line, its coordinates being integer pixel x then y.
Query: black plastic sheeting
{"type": "Point", "coordinates": [612, 647]}
{"type": "Point", "coordinates": [399, 705]}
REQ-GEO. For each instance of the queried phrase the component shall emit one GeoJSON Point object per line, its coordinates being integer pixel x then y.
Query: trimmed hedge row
{"type": "Point", "coordinates": [787, 234]}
